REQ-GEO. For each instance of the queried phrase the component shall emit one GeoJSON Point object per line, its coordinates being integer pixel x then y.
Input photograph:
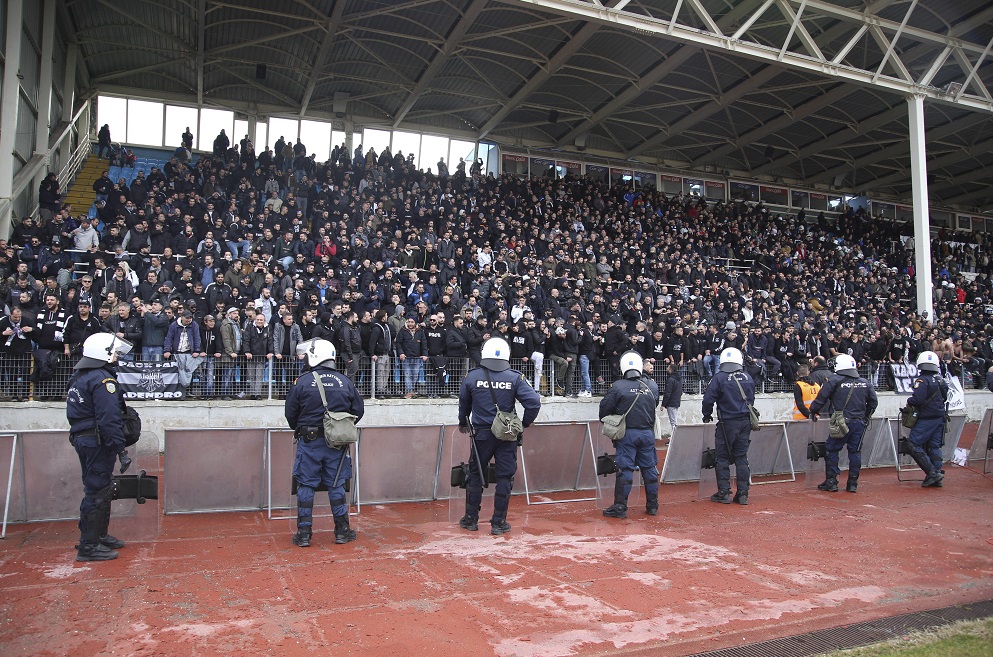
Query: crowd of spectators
{"type": "Point", "coordinates": [235, 255]}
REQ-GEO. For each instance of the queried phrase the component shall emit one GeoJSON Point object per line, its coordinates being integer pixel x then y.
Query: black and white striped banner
{"type": "Point", "coordinates": [150, 380]}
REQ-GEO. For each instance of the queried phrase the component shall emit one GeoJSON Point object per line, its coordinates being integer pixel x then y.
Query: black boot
{"type": "Point", "coordinates": [652, 504]}
{"type": "Point", "coordinates": [853, 483]}
{"type": "Point", "coordinates": [619, 509]}
{"type": "Point", "coordinates": [302, 537]}
{"type": "Point", "coordinates": [830, 485]}
{"type": "Point", "coordinates": [469, 522]}
{"type": "Point", "coordinates": [106, 539]}
{"type": "Point", "coordinates": [721, 497]}
{"type": "Point", "coordinates": [934, 475]}
{"type": "Point", "coordinates": [90, 548]}
{"type": "Point", "coordinates": [499, 526]}
{"type": "Point", "coordinates": [342, 532]}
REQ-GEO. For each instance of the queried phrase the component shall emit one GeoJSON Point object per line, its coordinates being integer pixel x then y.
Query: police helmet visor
{"type": "Point", "coordinates": [307, 347]}
{"type": "Point", "coordinates": [121, 347]}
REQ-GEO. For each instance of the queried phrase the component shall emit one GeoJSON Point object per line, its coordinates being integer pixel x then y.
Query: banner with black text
{"type": "Point", "coordinates": [150, 380]}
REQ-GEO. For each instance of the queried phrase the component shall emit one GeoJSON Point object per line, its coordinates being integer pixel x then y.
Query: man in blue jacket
{"type": "Point", "coordinates": [733, 391]}
{"type": "Point", "coordinates": [182, 341]}
{"type": "Point", "coordinates": [93, 407]}
{"type": "Point", "coordinates": [484, 390]}
{"type": "Point", "coordinates": [929, 398]}
{"type": "Point", "coordinates": [316, 461]}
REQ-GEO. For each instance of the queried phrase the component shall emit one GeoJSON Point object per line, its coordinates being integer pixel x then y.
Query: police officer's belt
{"type": "Point", "coordinates": [310, 434]}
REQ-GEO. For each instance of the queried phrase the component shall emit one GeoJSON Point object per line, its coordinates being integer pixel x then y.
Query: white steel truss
{"type": "Point", "coordinates": [973, 93]}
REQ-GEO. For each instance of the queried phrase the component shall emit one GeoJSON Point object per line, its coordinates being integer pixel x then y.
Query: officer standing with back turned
{"type": "Point", "coordinates": [855, 397]}
{"type": "Point", "coordinates": [733, 391]}
{"type": "Point", "coordinates": [317, 462]}
{"type": "Point", "coordinates": [928, 435]}
{"type": "Point", "coordinates": [637, 396]}
{"type": "Point", "coordinates": [93, 407]}
{"type": "Point", "coordinates": [486, 389]}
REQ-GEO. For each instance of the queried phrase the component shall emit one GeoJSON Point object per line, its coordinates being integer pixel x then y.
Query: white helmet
{"type": "Point", "coordinates": [495, 355]}
{"type": "Point", "coordinates": [100, 349]}
{"type": "Point", "coordinates": [731, 360]}
{"type": "Point", "coordinates": [928, 362]}
{"type": "Point", "coordinates": [318, 352]}
{"type": "Point", "coordinates": [632, 365]}
{"type": "Point", "coordinates": [845, 365]}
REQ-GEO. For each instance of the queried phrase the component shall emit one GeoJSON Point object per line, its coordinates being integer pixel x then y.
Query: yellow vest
{"type": "Point", "coordinates": [809, 392]}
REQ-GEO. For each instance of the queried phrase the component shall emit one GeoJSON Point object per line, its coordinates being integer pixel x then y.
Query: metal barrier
{"type": "Point", "coordinates": [43, 478]}
{"type": "Point", "coordinates": [981, 446]}
{"type": "Point", "coordinates": [214, 470]}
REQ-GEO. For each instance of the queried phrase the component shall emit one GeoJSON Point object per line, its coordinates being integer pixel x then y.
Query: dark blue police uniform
{"type": "Point", "coordinates": [636, 449]}
{"type": "Point", "coordinates": [475, 398]}
{"type": "Point", "coordinates": [93, 407]}
{"type": "Point", "coordinates": [989, 380]}
{"type": "Point", "coordinates": [734, 429]}
{"type": "Point", "coordinates": [856, 397]}
{"type": "Point", "coordinates": [316, 462]}
{"type": "Point", "coordinates": [928, 435]}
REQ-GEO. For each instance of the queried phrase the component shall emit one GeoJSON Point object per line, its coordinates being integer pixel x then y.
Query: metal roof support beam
{"type": "Point", "coordinates": [740, 90]}
{"type": "Point", "coordinates": [140, 69]}
{"type": "Point", "coordinates": [834, 140]}
{"type": "Point", "coordinates": [213, 52]}
{"type": "Point", "coordinates": [828, 97]}
{"type": "Point", "coordinates": [896, 37]}
{"type": "Point", "coordinates": [954, 157]}
{"type": "Point", "coordinates": [557, 61]}
{"type": "Point", "coordinates": [898, 149]}
{"type": "Point", "coordinates": [453, 39]}
{"type": "Point", "coordinates": [809, 64]}
{"type": "Point", "coordinates": [171, 38]}
{"type": "Point", "coordinates": [322, 54]}
{"type": "Point", "coordinates": [638, 87]}
{"type": "Point", "coordinates": [972, 73]}
{"type": "Point", "coordinates": [983, 193]}
{"type": "Point", "coordinates": [922, 223]}
{"type": "Point", "coordinates": [69, 83]}
{"type": "Point", "coordinates": [797, 26]}
{"type": "Point", "coordinates": [201, 36]}
{"type": "Point", "coordinates": [252, 83]}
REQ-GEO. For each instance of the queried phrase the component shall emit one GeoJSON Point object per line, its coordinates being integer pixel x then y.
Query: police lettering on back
{"type": "Point", "coordinates": [497, 385]}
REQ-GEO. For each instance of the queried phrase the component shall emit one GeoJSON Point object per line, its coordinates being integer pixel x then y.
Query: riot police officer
{"type": "Point", "coordinates": [733, 391]}
{"type": "Point", "coordinates": [317, 462]}
{"type": "Point", "coordinates": [638, 396]}
{"type": "Point", "coordinates": [93, 407]}
{"type": "Point", "coordinates": [493, 381]}
{"type": "Point", "coordinates": [854, 396]}
{"type": "Point", "coordinates": [929, 397]}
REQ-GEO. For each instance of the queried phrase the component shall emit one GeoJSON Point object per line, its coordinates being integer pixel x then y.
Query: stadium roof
{"type": "Point", "coordinates": [730, 87]}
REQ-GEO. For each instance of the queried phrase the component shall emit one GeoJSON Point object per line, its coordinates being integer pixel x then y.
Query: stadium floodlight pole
{"type": "Point", "coordinates": [922, 222]}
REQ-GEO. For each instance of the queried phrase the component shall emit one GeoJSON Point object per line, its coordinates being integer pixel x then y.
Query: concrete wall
{"type": "Point", "coordinates": [158, 415]}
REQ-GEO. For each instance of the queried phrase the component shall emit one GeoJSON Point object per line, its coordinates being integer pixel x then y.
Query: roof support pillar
{"type": "Point", "coordinates": [922, 222]}
{"type": "Point", "coordinates": [8, 107]}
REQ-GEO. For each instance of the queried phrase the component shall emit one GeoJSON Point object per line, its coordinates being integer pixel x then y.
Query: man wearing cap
{"type": "Point", "coordinates": [183, 341]}
{"type": "Point", "coordinates": [79, 327]}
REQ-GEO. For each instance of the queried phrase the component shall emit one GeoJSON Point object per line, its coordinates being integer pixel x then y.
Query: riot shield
{"type": "Point", "coordinates": [462, 457]}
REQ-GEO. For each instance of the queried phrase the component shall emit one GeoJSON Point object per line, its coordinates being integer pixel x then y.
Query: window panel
{"type": "Point", "coordinates": [177, 120]}
{"type": "Point", "coordinates": [212, 121]}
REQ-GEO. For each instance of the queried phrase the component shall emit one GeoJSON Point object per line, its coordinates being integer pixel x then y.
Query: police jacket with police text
{"type": "Point", "coordinates": [303, 407]}
{"type": "Point", "coordinates": [863, 401]}
{"type": "Point", "coordinates": [94, 401]}
{"type": "Point", "coordinates": [723, 391]}
{"type": "Point", "coordinates": [930, 394]}
{"type": "Point", "coordinates": [508, 386]}
{"type": "Point", "coordinates": [623, 393]}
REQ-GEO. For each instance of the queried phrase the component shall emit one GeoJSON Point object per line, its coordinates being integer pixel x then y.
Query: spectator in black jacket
{"type": "Point", "coordinates": [672, 395]}
{"type": "Point", "coordinates": [412, 353]}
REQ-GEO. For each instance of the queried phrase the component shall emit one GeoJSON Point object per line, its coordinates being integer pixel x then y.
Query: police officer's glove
{"type": "Point", "coordinates": [125, 461]}
{"type": "Point", "coordinates": [520, 440]}
{"type": "Point", "coordinates": [814, 417]}
{"type": "Point", "coordinates": [615, 443]}
{"type": "Point", "coordinates": [463, 428]}
{"type": "Point", "coordinates": [708, 418]}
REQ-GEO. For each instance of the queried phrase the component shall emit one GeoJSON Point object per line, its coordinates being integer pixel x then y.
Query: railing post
{"type": "Point", "coordinates": [372, 378]}
{"type": "Point", "coordinates": [271, 375]}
